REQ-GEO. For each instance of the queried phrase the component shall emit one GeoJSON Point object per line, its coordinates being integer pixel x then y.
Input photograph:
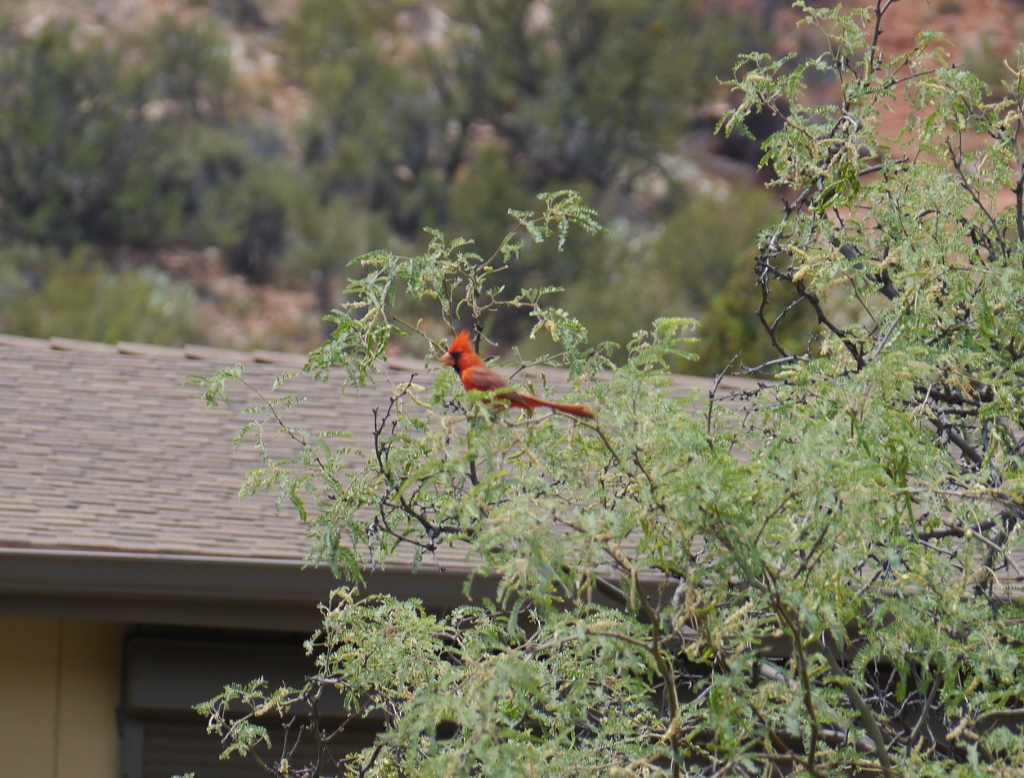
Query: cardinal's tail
{"type": "Point", "coordinates": [576, 410]}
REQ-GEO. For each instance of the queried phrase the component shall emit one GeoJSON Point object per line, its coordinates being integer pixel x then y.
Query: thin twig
{"type": "Point", "coordinates": [866, 715]}
{"type": "Point", "coordinates": [712, 392]}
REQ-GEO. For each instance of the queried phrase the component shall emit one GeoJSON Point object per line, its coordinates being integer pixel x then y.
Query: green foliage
{"type": "Point", "coordinates": [579, 88]}
{"type": "Point", "coordinates": [84, 121]}
{"type": "Point", "coordinates": [54, 95]}
{"type": "Point", "coordinates": [482, 192]}
{"type": "Point", "coordinates": [22, 266]}
{"type": "Point", "coordinates": [391, 153]}
{"type": "Point", "coordinates": [81, 299]}
{"type": "Point", "coordinates": [568, 93]}
{"type": "Point", "coordinates": [697, 264]}
{"type": "Point", "coordinates": [702, 240]}
{"type": "Point", "coordinates": [732, 334]}
{"type": "Point", "coordinates": [819, 583]}
{"type": "Point", "coordinates": [571, 666]}
{"type": "Point", "coordinates": [186, 64]}
{"type": "Point", "coordinates": [247, 216]}
{"type": "Point", "coordinates": [323, 238]}
{"type": "Point", "coordinates": [144, 139]}
{"type": "Point", "coordinates": [494, 101]}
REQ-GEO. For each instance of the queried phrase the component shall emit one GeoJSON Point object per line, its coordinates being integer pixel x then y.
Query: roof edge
{"type": "Point", "coordinates": [189, 351]}
{"type": "Point", "coordinates": [295, 361]}
{"type": "Point", "coordinates": [196, 591]}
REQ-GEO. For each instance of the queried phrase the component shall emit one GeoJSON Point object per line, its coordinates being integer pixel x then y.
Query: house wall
{"type": "Point", "coordinates": [60, 686]}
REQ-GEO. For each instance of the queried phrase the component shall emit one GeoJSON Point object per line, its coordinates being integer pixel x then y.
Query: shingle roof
{"type": "Point", "coordinates": [107, 460]}
{"type": "Point", "coordinates": [104, 449]}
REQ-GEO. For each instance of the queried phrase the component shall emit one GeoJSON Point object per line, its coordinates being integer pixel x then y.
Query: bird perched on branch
{"type": "Point", "coordinates": [475, 374]}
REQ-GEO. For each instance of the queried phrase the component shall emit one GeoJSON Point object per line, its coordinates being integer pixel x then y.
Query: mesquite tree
{"type": "Point", "coordinates": [822, 582]}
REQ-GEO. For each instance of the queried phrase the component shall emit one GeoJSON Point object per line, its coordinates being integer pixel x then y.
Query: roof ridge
{"type": "Point", "coordinates": [131, 348]}
{"type": "Point", "coordinates": [263, 356]}
{"type": "Point", "coordinates": [189, 351]}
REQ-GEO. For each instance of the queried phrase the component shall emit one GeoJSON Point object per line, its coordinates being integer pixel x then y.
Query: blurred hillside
{"type": "Point", "coordinates": [204, 170]}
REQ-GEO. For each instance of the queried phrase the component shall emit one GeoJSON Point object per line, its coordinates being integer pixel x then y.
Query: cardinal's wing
{"type": "Point", "coordinates": [482, 378]}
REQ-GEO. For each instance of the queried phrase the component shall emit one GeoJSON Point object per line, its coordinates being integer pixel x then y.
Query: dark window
{"type": "Point", "coordinates": [164, 676]}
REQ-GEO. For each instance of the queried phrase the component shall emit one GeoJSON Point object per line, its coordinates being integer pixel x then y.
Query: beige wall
{"type": "Point", "coordinates": [60, 685]}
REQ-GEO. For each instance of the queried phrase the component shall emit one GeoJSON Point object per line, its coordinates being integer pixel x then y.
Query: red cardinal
{"type": "Point", "coordinates": [476, 375]}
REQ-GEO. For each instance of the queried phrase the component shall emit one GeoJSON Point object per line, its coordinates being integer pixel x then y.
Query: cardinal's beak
{"type": "Point", "coordinates": [446, 359]}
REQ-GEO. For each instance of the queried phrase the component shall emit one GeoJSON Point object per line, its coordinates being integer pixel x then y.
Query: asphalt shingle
{"type": "Point", "coordinates": [104, 448]}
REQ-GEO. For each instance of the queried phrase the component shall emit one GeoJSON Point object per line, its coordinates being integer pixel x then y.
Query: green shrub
{"type": "Point", "coordinates": [571, 93]}
{"type": "Point", "coordinates": [86, 124]}
{"type": "Point", "coordinates": [323, 239]}
{"type": "Point", "coordinates": [697, 264]}
{"type": "Point", "coordinates": [247, 216]}
{"type": "Point", "coordinates": [81, 298]}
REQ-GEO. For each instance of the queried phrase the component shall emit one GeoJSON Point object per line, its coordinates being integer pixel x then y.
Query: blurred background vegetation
{"type": "Point", "coordinates": [207, 175]}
